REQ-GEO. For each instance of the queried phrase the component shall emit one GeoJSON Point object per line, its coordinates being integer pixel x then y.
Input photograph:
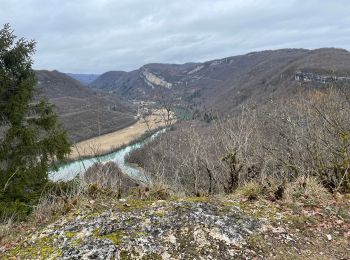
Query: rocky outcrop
{"type": "Point", "coordinates": [189, 228]}
{"type": "Point", "coordinates": [316, 78]}
{"type": "Point", "coordinates": [151, 79]}
{"type": "Point", "coordinates": [196, 69]}
{"type": "Point", "coordinates": [184, 229]}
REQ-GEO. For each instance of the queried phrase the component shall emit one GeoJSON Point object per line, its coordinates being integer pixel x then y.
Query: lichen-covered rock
{"type": "Point", "coordinates": [157, 230]}
{"type": "Point", "coordinates": [191, 228]}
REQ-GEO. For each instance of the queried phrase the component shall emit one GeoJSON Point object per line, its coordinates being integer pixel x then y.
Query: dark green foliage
{"type": "Point", "coordinates": [30, 136]}
{"type": "Point", "coordinates": [183, 114]}
{"type": "Point", "coordinates": [208, 117]}
{"type": "Point", "coordinates": [195, 95]}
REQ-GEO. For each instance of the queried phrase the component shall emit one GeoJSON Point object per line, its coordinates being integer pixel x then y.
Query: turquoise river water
{"type": "Point", "coordinates": [70, 170]}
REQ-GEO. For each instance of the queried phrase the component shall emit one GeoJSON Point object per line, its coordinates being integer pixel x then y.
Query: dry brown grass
{"type": "Point", "coordinates": [57, 201]}
{"type": "Point", "coordinates": [6, 230]}
{"type": "Point", "coordinates": [251, 190]}
{"type": "Point", "coordinates": [113, 141]}
{"type": "Point", "coordinates": [306, 189]}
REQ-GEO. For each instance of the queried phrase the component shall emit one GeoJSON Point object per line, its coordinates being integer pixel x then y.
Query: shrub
{"type": "Point", "coordinates": [108, 176]}
{"type": "Point", "coordinates": [56, 198]}
{"type": "Point", "coordinates": [251, 190]}
{"type": "Point", "coordinates": [305, 189]}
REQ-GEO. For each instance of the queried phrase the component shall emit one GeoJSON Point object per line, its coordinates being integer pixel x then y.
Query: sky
{"type": "Point", "coordinates": [95, 36]}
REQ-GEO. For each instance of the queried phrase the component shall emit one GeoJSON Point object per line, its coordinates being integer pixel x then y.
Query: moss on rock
{"type": "Point", "coordinates": [42, 248]}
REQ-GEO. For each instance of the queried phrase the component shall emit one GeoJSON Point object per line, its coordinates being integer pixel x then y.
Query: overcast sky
{"type": "Point", "coordinates": [94, 36]}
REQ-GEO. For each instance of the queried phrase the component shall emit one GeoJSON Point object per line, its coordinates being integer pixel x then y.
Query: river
{"type": "Point", "coordinates": [70, 170]}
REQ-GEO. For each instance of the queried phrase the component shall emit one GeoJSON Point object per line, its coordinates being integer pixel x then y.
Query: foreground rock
{"type": "Point", "coordinates": [193, 228]}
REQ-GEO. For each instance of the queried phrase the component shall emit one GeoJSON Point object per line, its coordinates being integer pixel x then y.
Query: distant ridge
{"type": "Point", "coordinates": [223, 84]}
{"type": "Point", "coordinates": [85, 79]}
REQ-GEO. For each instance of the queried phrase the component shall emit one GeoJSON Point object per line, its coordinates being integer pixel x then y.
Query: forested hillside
{"type": "Point", "coordinates": [85, 113]}
{"type": "Point", "coordinates": [224, 84]}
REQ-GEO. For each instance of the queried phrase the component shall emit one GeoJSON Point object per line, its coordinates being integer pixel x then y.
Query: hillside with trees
{"type": "Point", "coordinates": [224, 84]}
{"type": "Point", "coordinates": [84, 113]}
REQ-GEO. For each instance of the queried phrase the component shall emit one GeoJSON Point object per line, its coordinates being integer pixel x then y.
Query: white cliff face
{"type": "Point", "coordinates": [198, 68]}
{"type": "Point", "coordinates": [217, 62]}
{"type": "Point", "coordinates": [152, 80]}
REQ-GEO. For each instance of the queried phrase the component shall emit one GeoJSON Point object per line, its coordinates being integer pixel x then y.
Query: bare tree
{"type": "Point", "coordinates": [167, 104]}
{"type": "Point", "coordinates": [306, 135]}
{"type": "Point", "coordinates": [146, 118]}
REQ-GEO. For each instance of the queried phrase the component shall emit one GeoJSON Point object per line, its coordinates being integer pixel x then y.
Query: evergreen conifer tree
{"type": "Point", "coordinates": [31, 138]}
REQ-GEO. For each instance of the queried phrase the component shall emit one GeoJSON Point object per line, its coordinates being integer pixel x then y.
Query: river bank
{"type": "Point", "coordinates": [104, 144]}
{"type": "Point", "coordinates": [74, 168]}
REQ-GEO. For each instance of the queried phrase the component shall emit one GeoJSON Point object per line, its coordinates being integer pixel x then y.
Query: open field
{"type": "Point", "coordinates": [112, 141]}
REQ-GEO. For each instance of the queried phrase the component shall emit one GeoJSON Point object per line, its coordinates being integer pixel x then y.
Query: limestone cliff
{"type": "Point", "coordinates": [152, 79]}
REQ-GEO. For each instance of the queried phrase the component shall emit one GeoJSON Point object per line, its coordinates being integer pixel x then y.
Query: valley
{"type": "Point", "coordinates": [110, 102]}
{"type": "Point", "coordinates": [223, 85]}
{"type": "Point", "coordinates": [175, 130]}
{"type": "Point", "coordinates": [78, 167]}
{"type": "Point", "coordinates": [252, 140]}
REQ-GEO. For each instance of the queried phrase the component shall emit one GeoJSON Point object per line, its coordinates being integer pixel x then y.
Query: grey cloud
{"type": "Point", "coordinates": [101, 35]}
